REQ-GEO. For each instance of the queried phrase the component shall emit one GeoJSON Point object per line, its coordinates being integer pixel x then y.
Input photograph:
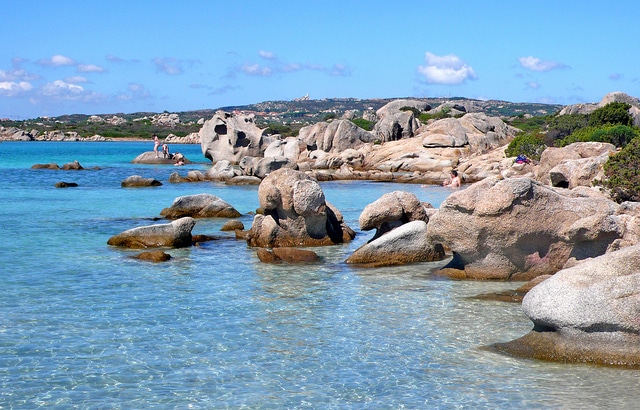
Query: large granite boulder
{"type": "Point", "coordinates": [222, 171]}
{"type": "Point", "coordinates": [231, 137]}
{"type": "Point", "coordinates": [176, 234]}
{"type": "Point", "coordinates": [200, 206]}
{"type": "Point", "coordinates": [615, 96]}
{"type": "Point", "coordinates": [518, 228]}
{"type": "Point", "coordinates": [394, 123]}
{"type": "Point", "coordinates": [407, 243]}
{"type": "Point", "coordinates": [261, 167]}
{"type": "Point", "coordinates": [477, 130]}
{"type": "Point", "coordinates": [289, 147]}
{"type": "Point", "coordinates": [149, 157]}
{"type": "Point", "coordinates": [335, 136]}
{"type": "Point", "coordinates": [587, 313]}
{"type": "Point", "coordinates": [400, 221]}
{"type": "Point", "coordinates": [295, 213]}
{"type": "Point", "coordinates": [576, 164]}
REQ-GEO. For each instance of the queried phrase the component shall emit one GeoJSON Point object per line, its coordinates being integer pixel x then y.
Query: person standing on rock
{"type": "Point", "coordinates": [156, 144]}
{"type": "Point", "coordinates": [455, 181]}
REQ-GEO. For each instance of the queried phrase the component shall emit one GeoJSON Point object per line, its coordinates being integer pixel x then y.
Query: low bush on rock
{"type": "Point", "coordinates": [530, 144]}
{"type": "Point", "coordinates": [364, 124]}
{"type": "Point", "coordinates": [618, 135]}
{"type": "Point", "coordinates": [622, 173]}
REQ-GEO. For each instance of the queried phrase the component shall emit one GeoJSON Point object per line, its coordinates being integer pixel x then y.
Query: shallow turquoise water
{"type": "Point", "coordinates": [82, 325]}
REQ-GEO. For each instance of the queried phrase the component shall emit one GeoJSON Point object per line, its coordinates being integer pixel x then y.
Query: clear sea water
{"type": "Point", "coordinates": [83, 325]}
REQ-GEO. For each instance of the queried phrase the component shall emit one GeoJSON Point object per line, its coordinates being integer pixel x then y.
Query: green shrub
{"type": "Point", "coordinates": [622, 173]}
{"type": "Point", "coordinates": [364, 124]}
{"type": "Point", "coordinates": [618, 135]}
{"type": "Point", "coordinates": [529, 144]}
{"type": "Point", "coordinates": [529, 124]}
{"type": "Point", "coordinates": [612, 113]}
{"type": "Point", "coordinates": [416, 112]}
{"type": "Point", "coordinates": [567, 124]}
{"type": "Point", "coordinates": [443, 113]}
{"type": "Point", "coordinates": [277, 128]}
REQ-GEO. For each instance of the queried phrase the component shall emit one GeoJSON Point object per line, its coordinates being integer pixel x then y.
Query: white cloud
{"type": "Point", "coordinates": [170, 66]}
{"type": "Point", "coordinates": [63, 90]}
{"type": "Point", "coordinates": [12, 89]}
{"type": "Point", "coordinates": [57, 61]}
{"type": "Point", "coordinates": [267, 55]}
{"type": "Point", "coordinates": [535, 64]}
{"type": "Point", "coordinates": [134, 91]}
{"type": "Point", "coordinates": [76, 79]}
{"type": "Point", "coordinates": [449, 69]}
{"type": "Point", "coordinates": [257, 70]}
{"type": "Point", "coordinates": [17, 74]}
{"type": "Point", "coordinates": [90, 68]}
{"type": "Point", "coordinates": [533, 85]}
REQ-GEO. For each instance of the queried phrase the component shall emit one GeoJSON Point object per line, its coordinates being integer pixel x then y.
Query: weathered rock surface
{"type": "Point", "coordinates": [391, 210]}
{"type": "Point", "coordinates": [232, 137]}
{"type": "Point", "coordinates": [400, 220]}
{"type": "Point", "coordinates": [200, 206]}
{"type": "Point", "coordinates": [154, 256]}
{"type": "Point", "coordinates": [518, 229]}
{"type": "Point", "coordinates": [261, 167]}
{"type": "Point", "coordinates": [63, 184]}
{"type": "Point", "coordinates": [615, 96]}
{"type": "Point", "coordinates": [137, 181]}
{"type": "Point", "coordinates": [295, 214]}
{"type": "Point", "coordinates": [51, 165]}
{"type": "Point", "coordinates": [395, 124]}
{"type": "Point", "coordinates": [407, 243]}
{"type": "Point", "coordinates": [232, 226]}
{"type": "Point", "coordinates": [335, 136]}
{"type": "Point", "coordinates": [287, 254]}
{"type": "Point", "coordinates": [586, 313]}
{"type": "Point", "coordinates": [477, 130]}
{"type": "Point", "coordinates": [576, 164]}
{"type": "Point", "coordinates": [149, 157]}
{"type": "Point", "coordinates": [176, 234]}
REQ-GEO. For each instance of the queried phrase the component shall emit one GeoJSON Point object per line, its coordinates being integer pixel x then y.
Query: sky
{"type": "Point", "coordinates": [104, 57]}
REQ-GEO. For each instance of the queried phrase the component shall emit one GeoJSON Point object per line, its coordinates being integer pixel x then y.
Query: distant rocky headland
{"type": "Point", "coordinates": [273, 116]}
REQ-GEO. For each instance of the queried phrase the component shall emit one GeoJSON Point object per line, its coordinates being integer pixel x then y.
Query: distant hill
{"type": "Point", "coordinates": [293, 114]}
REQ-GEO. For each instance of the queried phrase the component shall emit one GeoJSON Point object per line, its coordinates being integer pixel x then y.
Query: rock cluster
{"type": "Point", "coordinates": [295, 213]}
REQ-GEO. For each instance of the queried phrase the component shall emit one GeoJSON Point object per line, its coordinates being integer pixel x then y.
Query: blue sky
{"type": "Point", "coordinates": [101, 57]}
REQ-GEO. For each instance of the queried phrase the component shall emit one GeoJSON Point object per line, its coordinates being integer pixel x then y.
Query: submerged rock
{"type": "Point", "coordinates": [136, 181]}
{"type": "Point", "coordinates": [176, 234]}
{"type": "Point", "coordinates": [287, 254]}
{"type": "Point", "coordinates": [154, 256]}
{"type": "Point", "coordinates": [200, 206]}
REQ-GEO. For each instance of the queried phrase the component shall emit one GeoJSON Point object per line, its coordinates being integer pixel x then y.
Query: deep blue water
{"type": "Point", "coordinates": [83, 325]}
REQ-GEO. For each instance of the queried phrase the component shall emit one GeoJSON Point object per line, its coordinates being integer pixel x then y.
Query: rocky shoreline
{"type": "Point", "coordinates": [514, 221]}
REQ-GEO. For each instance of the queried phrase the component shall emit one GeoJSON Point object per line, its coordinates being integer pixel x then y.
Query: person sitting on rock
{"type": "Point", "coordinates": [455, 181]}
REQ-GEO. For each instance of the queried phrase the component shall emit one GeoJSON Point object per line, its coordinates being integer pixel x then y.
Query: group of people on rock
{"type": "Point", "coordinates": [177, 157]}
